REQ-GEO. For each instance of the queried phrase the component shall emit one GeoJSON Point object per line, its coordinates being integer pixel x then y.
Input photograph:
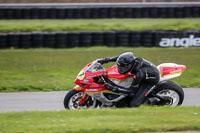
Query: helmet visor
{"type": "Point", "coordinates": [124, 69]}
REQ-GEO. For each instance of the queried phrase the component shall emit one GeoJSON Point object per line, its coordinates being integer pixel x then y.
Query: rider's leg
{"type": "Point", "coordinates": [140, 95]}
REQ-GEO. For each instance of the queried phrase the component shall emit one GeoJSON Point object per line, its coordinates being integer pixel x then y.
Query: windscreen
{"type": "Point", "coordinates": [95, 67]}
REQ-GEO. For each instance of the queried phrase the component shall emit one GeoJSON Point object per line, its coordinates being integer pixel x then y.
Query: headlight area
{"type": "Point", "coordinates": [81, 75]}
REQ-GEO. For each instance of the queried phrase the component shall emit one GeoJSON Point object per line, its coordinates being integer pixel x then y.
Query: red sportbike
{"type": "Point", "coordinates": [89, 93]}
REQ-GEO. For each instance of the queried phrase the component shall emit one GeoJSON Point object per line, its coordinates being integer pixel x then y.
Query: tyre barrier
{"type": "Point", "coordinates": [37, 40]}
{"type": "Point", "coordinates": [49, 40]}
{"type": "Point", "coordinates": [25, 40]}
{"type": "Point", "coordinates": [97, 38]}
{"type": "Point", "coordinates": [110, 38]}
{"type": "Point", "coordinates": [13, 40]}
{"type": "Point", "coordinates": [85, 39]}
{"type": "Point", "coordinates": [135, 38]}
{"type": "Point", "coordinates": [122, 38]}
{"type": "Point", "coordinates": [3, 40]}
{"type": "Point", "coordinates": [46, 12]}
{"type": "Point", "coordinates": [73, 39]}
{"type": "Point", "coordinates": [149, 38]}
{"type": "Point", "coordinates": [61, 40]}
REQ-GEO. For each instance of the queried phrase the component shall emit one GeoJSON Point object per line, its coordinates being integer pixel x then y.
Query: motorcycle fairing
{"type": "Point", "coordinates": [85, 78]}
{"type": "Point", "coordinates": [90, 90]}
{"type": "Point", "coordinates": [112, 73]}
{"type": "Point", "coordinates": [170, 70]}
{"type": "Point", "coordinates": [78, 88]}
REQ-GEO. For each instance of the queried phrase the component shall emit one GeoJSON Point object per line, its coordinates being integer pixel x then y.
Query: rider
{"type": "Point", "coordinates": [145, 76]}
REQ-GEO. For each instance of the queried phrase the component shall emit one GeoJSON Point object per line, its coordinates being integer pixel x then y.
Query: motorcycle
{"type": "Point", "coordinates": [89, 93]}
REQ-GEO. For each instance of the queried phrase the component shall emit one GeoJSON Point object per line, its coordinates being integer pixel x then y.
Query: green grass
{"type": "Point", "coordinates": [99, 24]}
{"type": "Point", "coordinates": [143, 119]}
{"type": "Point", "coordinates": [56, 69]}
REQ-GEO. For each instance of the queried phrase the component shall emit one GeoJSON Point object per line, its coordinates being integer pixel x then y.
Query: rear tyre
{"type": "Point", "coordinates": [72, 100]}
{"type": "Point", "coordinates": [172, 93]}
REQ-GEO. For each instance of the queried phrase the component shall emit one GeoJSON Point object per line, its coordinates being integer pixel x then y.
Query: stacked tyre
{"type": "Point", "coordinates": [3, 40]}
{"type": "Point", "coordinates": [37, 40]}
{"type": "Point", "coordinates": [85, 39]}
{"type": "Point", "coordinates": [13, 40]}
{"type": "Point", "coordinates": [110, 38]}
{"type": "Point", "coordinates": [135, 38]}
{"type": "Point", "coordinates": [147, 38]}
{"type": "Point", "coordinates": [98, 38]}
{"type": "Point", "coordinates": [61, 40]}
{"type": "Point", "coordinates": [25, 40]}
{"type": "Point", "coordinates": [74, 39]}
{"type": "Point", "coordinates": [122, 38]}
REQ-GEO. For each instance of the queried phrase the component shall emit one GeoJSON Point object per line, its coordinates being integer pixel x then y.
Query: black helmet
{"type": "Point", "coordinates": [125, 62]}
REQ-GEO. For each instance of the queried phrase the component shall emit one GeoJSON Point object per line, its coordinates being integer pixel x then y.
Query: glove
{"type": "Point", "coordinates": [101, 81]}
{"type": "Point", "coordinates": [103, 61]}
{"type": "Point", "coordinates": [108, 86]}
{"type": "Point", "coordinates": [111, 88]}
{"type": "Point", "coordinates": [117, 90]}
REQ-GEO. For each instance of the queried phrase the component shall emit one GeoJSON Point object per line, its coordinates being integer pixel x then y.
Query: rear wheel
{"type": "Point", "coordinates": [169, 93]}
{"type": "Point", "coordinates": [72, 101]}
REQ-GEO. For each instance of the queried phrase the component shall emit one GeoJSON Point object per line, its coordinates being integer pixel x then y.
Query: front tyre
{"type": "Point", "coordinates": [72, 100]}
{"type": "Point", "coordinates": [172, 93]}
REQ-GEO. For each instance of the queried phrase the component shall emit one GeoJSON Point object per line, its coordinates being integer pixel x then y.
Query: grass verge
{"type": "Point", "coordinates": [56, 69]}
{"type": "Point", "coordinates": [99, 24]}
{"type": "Point", "coordinates": [143, 119]}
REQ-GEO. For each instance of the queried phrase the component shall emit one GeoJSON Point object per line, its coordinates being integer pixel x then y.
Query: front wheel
{"type": "Point", "coordinates": [170, 93]}
{"type": "Point", "coordinates": [72, 100]}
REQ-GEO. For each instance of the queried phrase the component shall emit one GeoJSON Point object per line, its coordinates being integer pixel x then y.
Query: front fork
{"type": "Point", "coordinates": [83, 99]}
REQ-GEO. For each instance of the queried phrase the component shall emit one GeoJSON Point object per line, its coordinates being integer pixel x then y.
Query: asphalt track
{"type": "Point", "coordinates": [49, 101]}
